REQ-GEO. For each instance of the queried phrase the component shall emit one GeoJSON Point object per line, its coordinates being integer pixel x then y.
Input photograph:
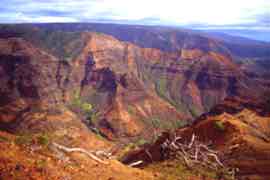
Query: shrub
{"type": "Point", "coordinates": [162, 86]}
{"type": "Point", "coordinates": [179, 124]}
{"type": "Point", "coordinates": [219, 125]}
{"type": "Point", "coordinates": [130, 109]}
{"type": "Point", "coordinates": [83, 108]}
{"type": "Point", "coordinates": [156, 122]}
{"type": "Point", "coordinates": [164, 124]}
{"type": "Point", "coordinates": [41, 164]}
{"type": "Point", "coordinates": [125, 150]}
{"type": "Point", "coordinates": [141, 142]}
{"type": "Point", "coordinates": [86, 107]}
{"type": "Point", "coordinates": [43, 140]}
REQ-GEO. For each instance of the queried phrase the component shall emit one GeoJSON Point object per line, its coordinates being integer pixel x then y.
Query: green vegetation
{"type": "Point", "coordinates": [64, 45]}
{"type": "Point", "coordinates": [28, 139]}
{"type": "Point", "coordinates": [141, 142]}
{"type": "Point", "coordinates": [41, 164]}
{"type": "Point", "coordinates": [156, 122]}
{"type": "Point", "coordinates": [87, 112]}
{"type": "Point", "coordinates": [132, 146]}
{"type": "Point", "coordinates": [97, 132]}
{"type": "Point", "coordinates": [125, 150]}
{"type": "Point", "coordinates": [94, 117]}
{"type": "Point", "coordinates": [219, 125]}
{"type": "Point", "coordinates": [84, 108]}
{"type": "Point", "coordinates": [24, 139]}
{"type": "Point", "coordinates": [164, 124]}
{"type": "Point", "coordinates": [161, 86]}
{"type": "Point", "coordinates": [43, 139]}
{"type": "Point", "coordinates": [179, 124]}
{"type": "Point", "coordinates": [162, 89]}
{"type": "Point", "coordinates": [194, 111]}
{"type": "Point", "coordinates": [130, 109]}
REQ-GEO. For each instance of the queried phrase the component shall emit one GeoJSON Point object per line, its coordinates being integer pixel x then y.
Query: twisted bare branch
{"type": "Point", "coordinates": [194, 152]}
{"type": "Point", "coordinates": [69, 150]}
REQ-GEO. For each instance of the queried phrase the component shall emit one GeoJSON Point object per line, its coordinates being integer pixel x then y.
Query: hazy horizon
{"type": "Point", "coordinates": [249, 18]}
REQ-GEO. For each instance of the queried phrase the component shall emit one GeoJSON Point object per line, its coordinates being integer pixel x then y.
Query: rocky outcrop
{"type": "Point", "coordinates": [133, 90]}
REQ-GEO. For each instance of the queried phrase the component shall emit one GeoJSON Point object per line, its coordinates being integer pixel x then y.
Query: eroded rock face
{"type": "Point", "coordinates": [31, 77]}
{"type": "Point", "coordinates": [26, 72]}
{"type": "Point", "coordinates": [134, 90]}
{"type": "Point", "coordinates": [28, 83]}
{"type": "Point", "coordinates": [169, 74]}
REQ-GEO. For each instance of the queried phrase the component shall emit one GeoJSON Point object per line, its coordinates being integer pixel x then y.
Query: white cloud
{"type": "Point", "coordinates": [45, 19]}
{"type": "Point", "coordinates": [22, 18]}
{"type": "Point", "coordinates": [182, 12]}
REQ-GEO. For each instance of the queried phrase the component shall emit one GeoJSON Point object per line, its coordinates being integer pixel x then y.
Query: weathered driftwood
{"type": "Point", "coordinates": [89, 154]}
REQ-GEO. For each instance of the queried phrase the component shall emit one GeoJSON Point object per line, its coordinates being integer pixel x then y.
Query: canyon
{"type": "Point", "coordinates": [99, 86]}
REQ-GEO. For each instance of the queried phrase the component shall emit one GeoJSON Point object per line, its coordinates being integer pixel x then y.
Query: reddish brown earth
{"type": "Point", "coordinates": [21, 160]}
{"type": "Point", "coordinates": [242, 139]}
{"type": "Point", "coordinates": [129, 86]}
{"type": "Point", "coordinates": [146, 83]}
{"type": "Point", "coordinates": [136, 92]}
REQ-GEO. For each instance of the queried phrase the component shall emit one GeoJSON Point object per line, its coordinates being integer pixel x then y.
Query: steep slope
{"type": "Point", "coordinates": [108, 72]}
{"type": "Point", "coordinates": [252, 54]}
{"type": "Point", "coordinates": [237, 129]}
{"type": "Point", "coordinates": [33, 117]}
{"type": "Point", "coordinates": [31, 101]}
{"type": "Point", "coordinates": [244, 140]}
{"type": "Point", "coordinates": [79, 87]}
{"type": "Point", "coordinates": [37, 80]}
{"type": "Point", "coordinates": [30, 157]}
{"type": "Point", "coordinates": [188, 78]}
{"type": "Point", "coordinates": [191, 80]}
{"type": "Point", "coordinates": [132, 89]}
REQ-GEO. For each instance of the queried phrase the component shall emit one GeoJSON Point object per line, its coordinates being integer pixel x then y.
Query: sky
{"type": "Point", "coordinates": [250, 14]}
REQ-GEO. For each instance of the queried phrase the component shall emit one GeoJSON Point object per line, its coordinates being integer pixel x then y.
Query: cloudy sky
{"type": "Point", "coordinates": [217, 13]}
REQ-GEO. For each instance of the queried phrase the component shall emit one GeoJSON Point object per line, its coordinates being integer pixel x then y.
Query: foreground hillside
{"type": "Point", "coordinates": [237, 129]}
{"type": "Point", "coordinates": [34, 157]}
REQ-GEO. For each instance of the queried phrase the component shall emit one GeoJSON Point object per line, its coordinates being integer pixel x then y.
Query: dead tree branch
{"type": "Point", "coordinates": [89, 154]}
{"type": "Point", "coordinates": [194, 152]}
{"type": "Point", "coordinates": [135, 163]}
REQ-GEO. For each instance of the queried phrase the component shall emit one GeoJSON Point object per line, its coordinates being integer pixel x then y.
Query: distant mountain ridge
{"type": "Point", "coordinates": [259, 35]}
